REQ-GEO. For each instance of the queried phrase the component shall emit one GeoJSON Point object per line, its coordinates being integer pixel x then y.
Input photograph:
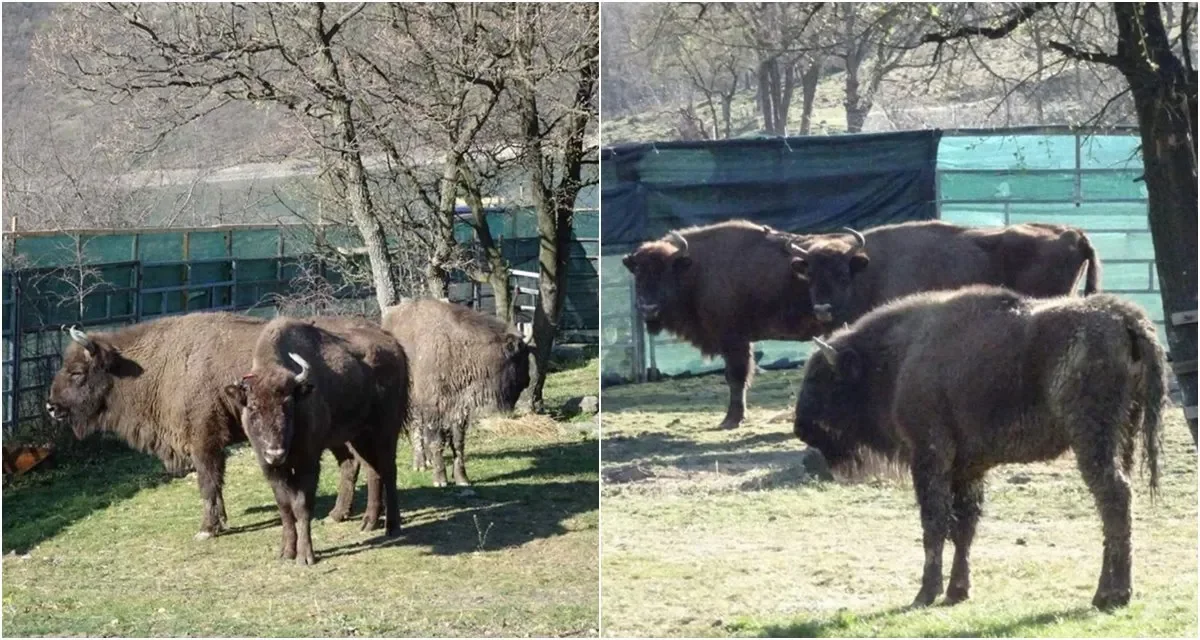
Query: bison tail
{"type": "Point", "coordinates": [1092, 282]}
{"type": "Point", "coordinates": [1154, 392]}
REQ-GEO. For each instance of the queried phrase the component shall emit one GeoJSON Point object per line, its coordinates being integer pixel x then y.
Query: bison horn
{"type": "Point", "coordinates": [862, 242]}
{"type": "Point", "coordinates": [679, 241]}
{"type": "Point", "coordinates": [831, 354]}
{"type": "Point", "coordinates": [80, 337]}
{"type": "Point", "coordinates": [797, 249]}
{"type": "Point", "coordinates": [301, 377]}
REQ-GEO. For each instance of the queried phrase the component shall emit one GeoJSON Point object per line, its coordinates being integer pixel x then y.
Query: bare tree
{"type": "Point", "coordinates": [555, 82]}
{"type": "Point", "coordinates": [1155, 57]}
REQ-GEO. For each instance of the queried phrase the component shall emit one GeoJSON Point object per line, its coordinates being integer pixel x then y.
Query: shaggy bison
{"type": "Point", "coordinates": [850, 274]}
{"type": "Point", "coordinates": [957, 382]}
{"type": "Point", "coordinates": [463, 364]}
{"type": "Point", "coordinates": [158, 386]}
{"type": "Point", "coordinates": [721, 287]}
{"type": "Point", "coordinates": [311, 387]}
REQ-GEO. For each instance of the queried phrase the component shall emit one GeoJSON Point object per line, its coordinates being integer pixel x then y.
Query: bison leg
{"type": "Point", "coordinates": [739, 363]}
{"type": "Point", "coordinates": [304, 495]}
{"type": "Point", "coordinates": [1110, 488]}
{"type": "Point", "coordinates": [379, 453]}
{"type": "Point", "coordinates": [435, 444]}
{"type": "Point", "coordinates": [458, 438]}
{"type": "Point", "coordinates": [932, 485]}
{"type": "Point", "coordinates": [968, 503]}
{"type": "Point", "coordinates": [210, 474]}
{"type": "Point", "coordinates": [417, 437]}
{"type": "Point", "coordinates": [283, 499]}
{"type": "Point", "coordinates": [347, 478]}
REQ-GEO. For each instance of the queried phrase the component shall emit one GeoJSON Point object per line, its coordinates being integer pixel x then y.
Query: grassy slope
{"type": "Point", "coordinates": [105, 548]}
{"type": "Point", "coordinates": [710, 533]}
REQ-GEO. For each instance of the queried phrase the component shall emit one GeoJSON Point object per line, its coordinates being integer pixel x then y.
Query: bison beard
{"type": "Point", "coordinates": [1040, 377]}
{"type": "Point", "coordinates": [464, 365]}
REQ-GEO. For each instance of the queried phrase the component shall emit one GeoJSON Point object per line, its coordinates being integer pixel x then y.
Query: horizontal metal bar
{"type": "Point", "coordinates": [1189, 412]}
{"type": "Point", "coordinates": [1068, 171]}
{"type": "Point", "coordinates": [524, 274]}
{"type": "Point", "coordinates": [1186, 366]}
{"type": "Point", "coordinates": [1048, 201]}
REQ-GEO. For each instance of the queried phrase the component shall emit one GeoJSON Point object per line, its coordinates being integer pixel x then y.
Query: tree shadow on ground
{"type": "Point", "coordinates": [842, 622]}
{"type": "Point", "coordinates": [551, 461]}
{"type": "Point", "coordinates": [87, 478]}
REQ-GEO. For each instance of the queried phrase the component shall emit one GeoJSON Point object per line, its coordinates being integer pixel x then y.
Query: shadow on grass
{"type": "Point", "coordinates": [87, 478]}
{"type": "Point", "coordinates": [550, 461]}
{"type": "Point", "coordinates": [705, 393]}
{"type": "Point", "coordinates": [622, 449]}
{"type": "Point", "coordinates": [843, 622]}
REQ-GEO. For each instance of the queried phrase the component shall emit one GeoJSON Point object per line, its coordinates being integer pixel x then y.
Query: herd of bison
{"type": "Point", "coordinates": [953, 349]}
{"type": "Point", "coordinates": [184, 387]}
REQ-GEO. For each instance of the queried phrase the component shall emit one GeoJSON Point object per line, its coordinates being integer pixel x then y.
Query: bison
{"type": "Point", "coordinates": [850, 274]}
{"type": "Point", "coordinates": [463, 364]}
{"type": "Point", "coordinates": [158, 385]}
{"type": "Point", "coordinates": [721, 287]}
{"type": "Point", "coordinates": [957, 382]}
{"type": "Point", "coordinates": [311, 387]}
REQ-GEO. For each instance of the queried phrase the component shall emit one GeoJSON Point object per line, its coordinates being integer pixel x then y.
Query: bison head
{"type": "Point", "coordinates": [657, 268]}
{"type": "Point", "coordinates": [267, 400]}
{"type": "Point", "coordinates": [829, 264]}
{"type": "Point", "coordinates": [830, 402]}
{"type": "Point", "coordinates": [514, 376]}
{"type": "Point", "coordinates": [80, 388]}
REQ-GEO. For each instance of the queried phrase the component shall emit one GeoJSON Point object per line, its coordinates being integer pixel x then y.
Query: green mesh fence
{"type": "Point", "coordinates": [985, 178]}
{"type": "Point", "coordinates": [130, 276]}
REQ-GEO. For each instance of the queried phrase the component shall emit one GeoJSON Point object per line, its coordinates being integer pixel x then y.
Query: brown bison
{"type": "Point", "coordinates": [721, 287]}
{"type": "Point", "coordinates": [957, 382]}
{"type": "Point", "coordinates": [309, 388]}
{"type": "Point", "coordinates": [158, 386]}
{"type": "Point", "coordinates": [850, 274]}
{"type": "Point", "coordinates": [463, 365]}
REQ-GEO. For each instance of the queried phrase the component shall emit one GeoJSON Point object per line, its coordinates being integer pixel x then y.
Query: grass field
{"type": "Point", "coordinates": [710, 533]}
{"type": "Point", "coordinates": [102, 546]}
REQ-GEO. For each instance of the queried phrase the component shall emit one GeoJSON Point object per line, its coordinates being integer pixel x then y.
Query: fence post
{"type": "Point", "coordinates": [15, 379]}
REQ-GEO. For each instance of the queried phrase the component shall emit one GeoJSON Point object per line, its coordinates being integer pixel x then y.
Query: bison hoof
{"type": "Point", "coordinates": [1110, 599]}
{"type": "Point", "coordinates": [728, 423]}
{"type": "Point", "coordinates": [306, 559]}
{"type": "Point", "coordinates": [439, 483]}
{"type": "Point", "coordinates": [203, 535]}
{"type": "Point", "coordinates": [956, 594]}
{"type": "Point", "coordinates": [338, 515]}
{"type": "Point", "coordinates": [463, 483]}
{"type": "Point", "coordinates": [925, 598]}
{"type": "Point", "coordinates": [369, 525]}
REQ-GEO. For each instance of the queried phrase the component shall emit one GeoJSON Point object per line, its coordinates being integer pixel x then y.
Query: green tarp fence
{"type": "Point", "coordinates": [983, 178]}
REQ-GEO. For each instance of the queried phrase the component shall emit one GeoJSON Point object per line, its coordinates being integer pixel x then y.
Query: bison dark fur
{"type": "Point", "coordinates": [957, 382]}
{"type": "Point", "coordinates": [721, 287]}
{"type": "Point", "coordinates": [464, 364]}
{"type": "Point", "coordinates": [850, 274]}
{"type": "Point", "coordinates": [158, 385]}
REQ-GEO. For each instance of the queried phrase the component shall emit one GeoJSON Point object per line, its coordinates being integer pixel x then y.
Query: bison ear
{"type": "Point", "coordinates": [302, 390]}
{"type": "Point", "coordinates": [514, 345]}
{"type": "Point", "coordinates": [849, 365]}
{"type": "Point", "coordinates": [858, 262]}
{"type": "Point", "coordinates": [236, 394]}
{"type": "Point", "coordinates": [799, 266]}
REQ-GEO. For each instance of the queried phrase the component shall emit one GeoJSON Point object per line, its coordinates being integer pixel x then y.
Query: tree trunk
{"type": "Point", "coordinates": [809, 80]}
{"type": "Point", "coordinates": [358, 191]}
{"type": "Point", "coordinates": [437, 273]}
{"type": "Point", "coordinates": [1165, 99]}
{"type": "Point", "coordinates": [727, 114]}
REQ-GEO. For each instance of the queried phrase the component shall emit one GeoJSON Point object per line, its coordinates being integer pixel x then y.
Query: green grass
{"type": "Point", "coordinates": [709, 533]}
{"type": "Point", "coordinates": [102, 546]}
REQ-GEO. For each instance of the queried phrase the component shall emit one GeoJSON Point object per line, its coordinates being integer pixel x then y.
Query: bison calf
{"type": "Point", "coordinates": [463, 364]}
{"type": "Point", "coordinates": [313, 387]}
{"type": "Point", "coordinates": [957, 382]}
